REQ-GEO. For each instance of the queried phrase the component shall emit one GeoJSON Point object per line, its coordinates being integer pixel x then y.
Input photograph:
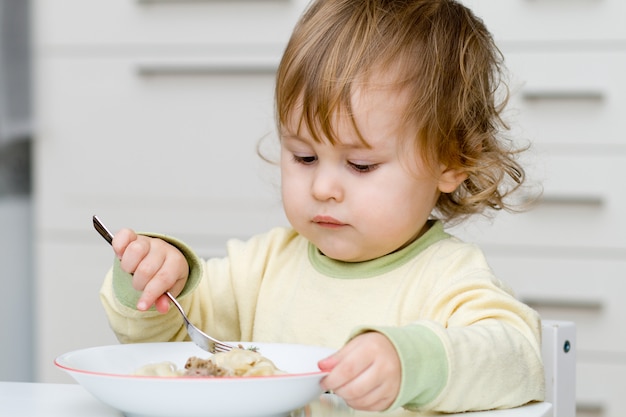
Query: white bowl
{"type": "Point", "coordinates": [107, 373]}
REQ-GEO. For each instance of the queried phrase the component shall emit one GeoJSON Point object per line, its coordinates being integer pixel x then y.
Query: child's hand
{"type": "Point", "coordinates": [157, 267]}
{"type": "Point", "coordinates": [366, 372]}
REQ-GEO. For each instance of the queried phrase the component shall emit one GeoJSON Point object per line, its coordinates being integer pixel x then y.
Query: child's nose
{"type": "Point", "coordinates": [327, 184]}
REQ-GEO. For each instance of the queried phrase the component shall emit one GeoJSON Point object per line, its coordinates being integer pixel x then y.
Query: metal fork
{"type": "Point", "coordinates": [203, 340]}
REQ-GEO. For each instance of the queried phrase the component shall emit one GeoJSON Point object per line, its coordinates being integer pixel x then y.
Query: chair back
{"type": "Point", "coordinates": [558, 350]}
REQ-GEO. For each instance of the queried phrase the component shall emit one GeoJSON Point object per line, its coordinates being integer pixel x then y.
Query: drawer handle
{"type": "Point", "coordinates": [572, 200]}
{"type": "Point", "coordinates": [565, 304]}
{"type": "Point", "coordinates": [213, 67]}
{"type": "Point", "coordinates": [573, 94]}
{"type": "Point", "coordinates": [591, 409]}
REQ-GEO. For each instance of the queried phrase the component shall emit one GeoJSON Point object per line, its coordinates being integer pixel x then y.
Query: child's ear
{"type": "Point", "coordinates": [450, 179]}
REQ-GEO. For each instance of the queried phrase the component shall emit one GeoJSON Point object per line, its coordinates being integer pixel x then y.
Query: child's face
{"type": "Point", "coordinates": [356, 203]}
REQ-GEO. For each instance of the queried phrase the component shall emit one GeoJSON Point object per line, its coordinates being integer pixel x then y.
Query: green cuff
{"type": "Point", "coordinates": [122, 281]}
{"type": "Point", "coordinates": [424, 363]}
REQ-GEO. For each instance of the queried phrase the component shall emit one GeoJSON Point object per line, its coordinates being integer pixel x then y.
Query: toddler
{"type": "Point", "coordinates": [389, 128]}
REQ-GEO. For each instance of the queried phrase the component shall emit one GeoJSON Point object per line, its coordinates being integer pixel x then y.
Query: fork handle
{"type": "Point", "coordinates": [101, 228]}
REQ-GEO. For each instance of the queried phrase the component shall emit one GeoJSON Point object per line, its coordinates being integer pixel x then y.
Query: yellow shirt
{"type": "Point", "coordinates": [464, 341]}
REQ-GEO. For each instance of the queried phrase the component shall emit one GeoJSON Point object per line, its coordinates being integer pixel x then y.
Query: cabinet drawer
{"type": "Point", "coordinates": [600, 389]}
{"type": "Point", "coordinates": [69, 314]}
{"type": "Point", "coordinates": [205, 21]}
{"type": "Point", "coordinates": [173, 153]}
{"type": "Point", "coordinates": [581, 209]}
{"type": "Point", "coordinates": [584, 290]}
{"type": "Point", "coordinates": [568, 98]}
{"type": "Point", "coordinates": [176, 24]}
{"type": "Point", "coordinates": [552, 20]}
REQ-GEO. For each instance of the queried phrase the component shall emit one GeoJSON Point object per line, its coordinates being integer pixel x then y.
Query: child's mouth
{"type": "Point", "coordinates": [327, 221]}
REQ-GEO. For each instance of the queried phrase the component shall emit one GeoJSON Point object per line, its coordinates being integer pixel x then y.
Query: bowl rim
{"type": "Point", "coordinates": [58, 362]}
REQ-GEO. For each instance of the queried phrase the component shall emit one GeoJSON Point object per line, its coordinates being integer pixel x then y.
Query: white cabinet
{"type": "Point", "coordinates": [175, 150]}
{"type": "Point", "coordinates": [567, 256]}
{"type": "Point", "coordinates": [543, 22]}
{"type": "Point", "coordinates": [572, 99]}
{"type": "Point", "coordinates": [149, 114]}
{"type": "Point", "coordinates": [145, 26]}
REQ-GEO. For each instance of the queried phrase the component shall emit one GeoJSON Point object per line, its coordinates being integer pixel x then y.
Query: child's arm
{"type": "Point", "coordinates": [156, 266]}
{"type": "Point", "coordinates": [486, 356]}
{"type": "Point", "coordinates": [494, 366]}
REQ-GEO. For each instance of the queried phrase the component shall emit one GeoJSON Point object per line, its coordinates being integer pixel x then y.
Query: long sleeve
{"type": "Point", "coordinates": [220, 296]}
{"type": "Point", "coordinates": [475, 346]}
{"type": "Point", "coordinates": [464, 341]}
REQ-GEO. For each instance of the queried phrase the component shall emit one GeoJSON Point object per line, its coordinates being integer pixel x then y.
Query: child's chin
{"type": "Point", "coordinates": [344, 255]}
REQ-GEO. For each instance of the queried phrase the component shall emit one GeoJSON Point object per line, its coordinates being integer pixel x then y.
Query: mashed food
{"type": "Point", "coordinates": [237, 362]}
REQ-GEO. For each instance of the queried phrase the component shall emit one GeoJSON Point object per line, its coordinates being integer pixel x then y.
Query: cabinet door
{"type": "Point", "coordinates": [546, 21]}
{"type": "Point", "coordinates": [572, 286]}
{"type": "Point", "coordinates": [69, 315]}
{"type": "Point", "coordinates": [581, 208]}
{"type": "Point", "coordinates": [172, 153]}
{"type": "Point", "coordinates": [131, 26]}
{"type": "Point", "coordinates": [568, 100]}
{"type": "Point", "coordinates": [600, 388]}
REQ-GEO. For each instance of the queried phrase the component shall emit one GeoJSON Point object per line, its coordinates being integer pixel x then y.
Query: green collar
{"type": "Point", "coordinates": [367, 269]}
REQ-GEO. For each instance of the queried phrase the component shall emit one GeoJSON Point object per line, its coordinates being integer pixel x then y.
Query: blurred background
{"type": "Point", "coordinates": [16, 206]}
{"type": "Point", "coordinates": [149, 113]}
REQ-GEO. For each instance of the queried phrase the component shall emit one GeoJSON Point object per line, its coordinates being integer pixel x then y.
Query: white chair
{"type": "Point", "coordinates": [558, 350]}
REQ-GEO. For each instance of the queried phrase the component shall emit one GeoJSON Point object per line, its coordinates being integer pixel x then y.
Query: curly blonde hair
{"type": "Point", "coordinates": [441, 53]}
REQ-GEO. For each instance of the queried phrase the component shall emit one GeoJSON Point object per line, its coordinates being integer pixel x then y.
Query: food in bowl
{"type": "Point", "coordinates": [237, 362]}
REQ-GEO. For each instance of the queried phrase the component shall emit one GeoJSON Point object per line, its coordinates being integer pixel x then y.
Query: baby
{"type": "Point", "coordinates": [389, 129]}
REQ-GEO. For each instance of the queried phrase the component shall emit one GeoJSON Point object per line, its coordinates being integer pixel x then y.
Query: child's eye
{"type": "Point", "coordinates": [305, 160]}
{"type": "Point", "coordinates": [362, 168]}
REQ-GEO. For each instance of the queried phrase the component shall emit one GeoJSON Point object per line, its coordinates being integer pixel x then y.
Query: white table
{"type": "Point", "coordinates": [22, 399]}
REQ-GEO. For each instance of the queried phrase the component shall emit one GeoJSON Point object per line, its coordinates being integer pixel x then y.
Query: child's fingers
{"type": "Point", "coordinates": [148, 257]}
{"type": "Point", "coordinates": [134, 255]}
{"type": "Point", "coordinates": [369, 390]}
{"type": "Point", "coordinates": [156, 266]}
{"type": "Point", "coordinates": [153, 295]}
{"type": "Point", "coordinates": [342, 375]}
{"type": "Point", "coordinates": [121, 240]}
{"type": "Point", "coordinates": [162, 304]}
{"type": "Point", "coordinates": [345, 365]}
{"type": "Point", "coordinates": [327, 364]}
{"type": "Point", "coordinates": [154, 285]}
{"type": "Point", "coordinates": [166, 270]}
